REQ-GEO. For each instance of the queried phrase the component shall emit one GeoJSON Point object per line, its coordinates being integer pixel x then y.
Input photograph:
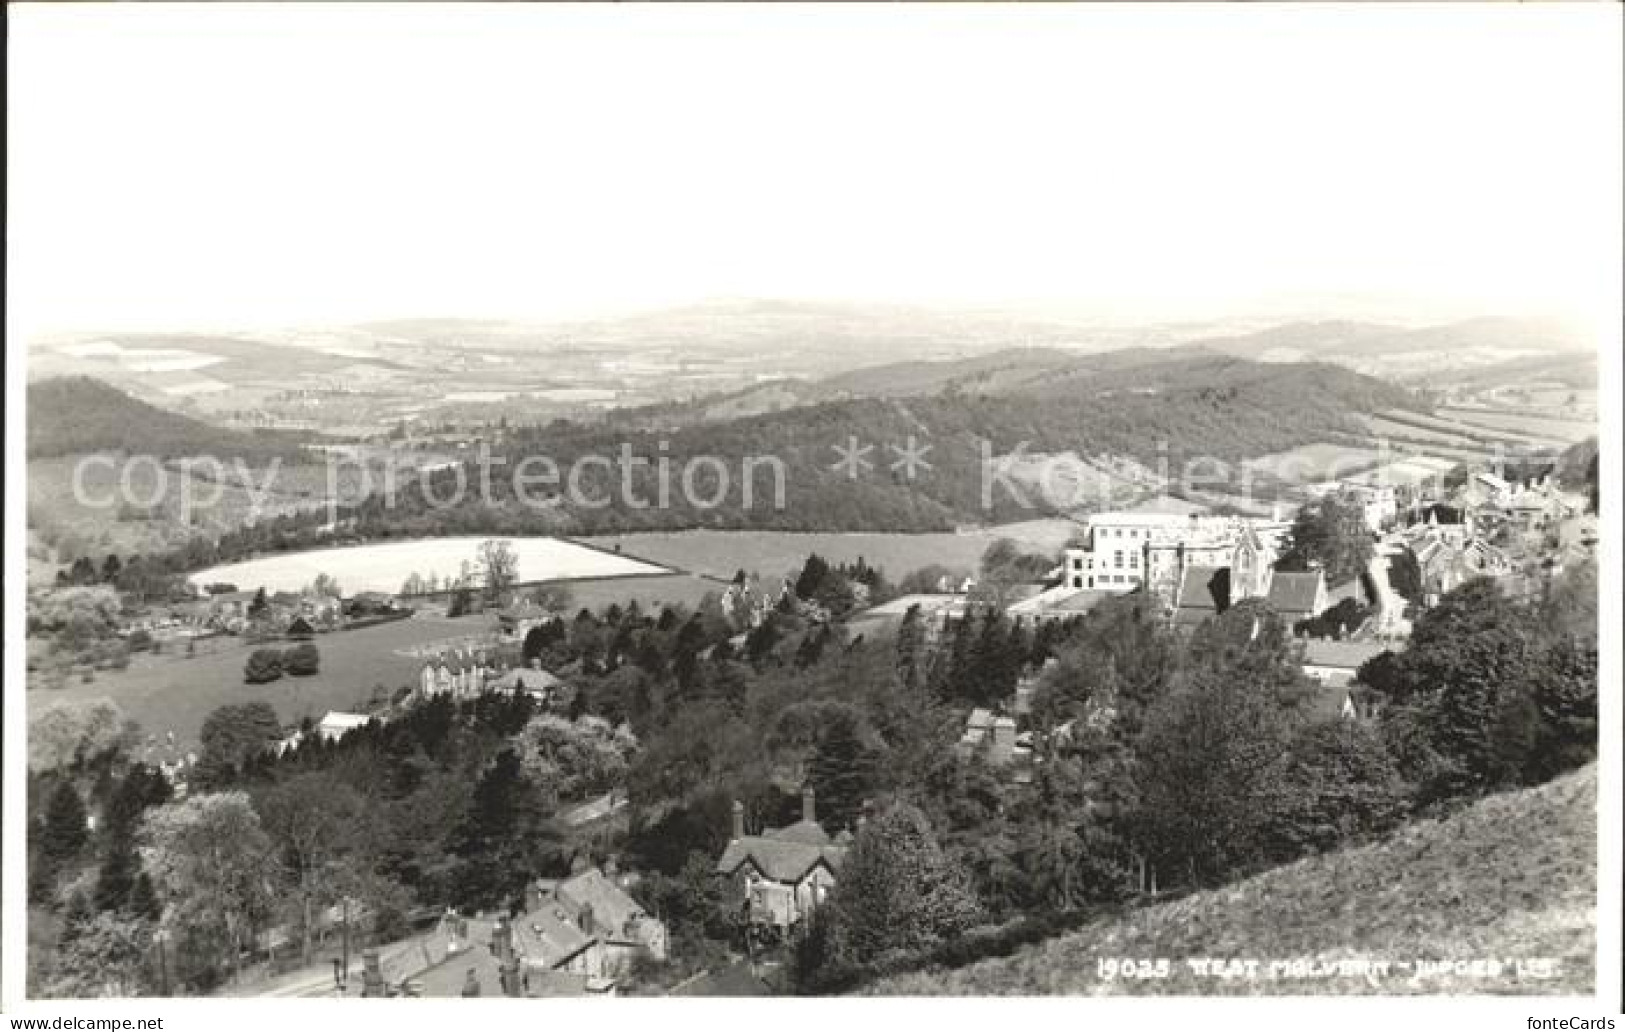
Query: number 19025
{"type": "Point", "coordinates": [1109, 969]}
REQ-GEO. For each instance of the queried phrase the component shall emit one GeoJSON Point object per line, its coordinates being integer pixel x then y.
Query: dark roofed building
{"type": "Point", "coordinates": [1297, 595]}
{"type": "Point", "coordinates": [1204, 591]}
{"type": "Point", "coordinates": [784, 873]}
{"type": "Point", "coordinates": [1335, 663]}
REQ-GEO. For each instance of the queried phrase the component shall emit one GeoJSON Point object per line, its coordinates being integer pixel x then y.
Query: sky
{"type": "Point", "coordinates": [233, 166]}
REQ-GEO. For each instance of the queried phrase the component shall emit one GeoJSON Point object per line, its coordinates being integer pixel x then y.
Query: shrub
{"type": "Point", "coordinates": [302, 660]}
{"type": "Point", "coordinates": [263, 665]}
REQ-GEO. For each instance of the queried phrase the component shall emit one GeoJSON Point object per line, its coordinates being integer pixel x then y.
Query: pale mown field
{"type": "Point", "coordinates": [384, 566]}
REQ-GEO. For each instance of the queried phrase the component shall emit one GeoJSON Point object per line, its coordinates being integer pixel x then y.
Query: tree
{"type": "Point", "coordinates": [911, 650]}
{"type": "Point", "coordinates": [63, 831]}
{"type": "Point", "coordinates": [104, 955]}
{"type": "Point", "coordinates": [1463, 711]}
{"type": "Point", "coordinates": [111, 568]}
{"type": "Point", "coordinates": [232, 735]}
{"type": "Point", "coordinates": [841, 753]}
{"type": "Point", "coordinates": [263, 666]}
{"type": "Point", "coordinates": [214, 869]}
{"type": "Point", "coordinates": [1405, 576]}
{"type": "Point", "coordinates": [325, 585]}
{"type": "Point", "coordinates": [499, 567]}
{"type": "Point", "coordinates": [1005, 567]}
{"type": "Point", "coordinates": [68, 733]}
{"type": "Point", "coordinates": [461, 601]}
{"type": "Point", "coordinates": [898, 891]}
{"type": "Point", "coordinates": [316, 822]}
{"type": "Point", "coordinates": [258, 605]}
{"type": "Point", "coordinates": [302, 660]}
{"type": "Point", "coordinates": [811, 579]}
{"type": "Point", "coordinates": [1333, 535]}
{"type": "Point", "coordinates": [490, 840]}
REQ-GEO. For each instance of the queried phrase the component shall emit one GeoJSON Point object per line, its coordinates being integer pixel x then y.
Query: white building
{"type": "Point", "coordinates": [1122, 551]}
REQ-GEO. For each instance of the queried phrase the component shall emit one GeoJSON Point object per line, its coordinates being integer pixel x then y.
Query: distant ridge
{"type": "Point", "coordinates": [79, 414]}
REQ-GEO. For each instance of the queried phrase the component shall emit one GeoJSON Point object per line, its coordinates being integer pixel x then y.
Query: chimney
{"type": "Point", "coordinates": [809, 810]}
{"type": "Point", "coordinates": [739, 819]}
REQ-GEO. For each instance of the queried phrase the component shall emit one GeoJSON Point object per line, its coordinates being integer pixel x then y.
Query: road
{"type": "Point", "coordinates": [1390, 604]}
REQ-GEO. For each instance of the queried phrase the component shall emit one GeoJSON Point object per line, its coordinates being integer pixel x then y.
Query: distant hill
{"type": "Point", "coordinates": [1513, 878]}
{"type": "Point", "coordinates": [1344, 340]}
{"type": "Point", "coordinates": [1049, 374]}
{"type": "Point", "coordinates": [1150, 409]}
{"type": "Point", "coordinates": [1573, 369]}
{"type": "Point", "coordinates": [74, 415]}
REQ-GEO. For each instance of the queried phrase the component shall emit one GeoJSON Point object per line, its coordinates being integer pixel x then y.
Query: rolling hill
{"type": "Point", "coordinates": [1337, 340]}
{"type": "Point", "coordinates": [1512, 879]}
{"type": "Point", "coordinates": [75, 415]}
{"type": "Point", "coordinates": [1153, 409]}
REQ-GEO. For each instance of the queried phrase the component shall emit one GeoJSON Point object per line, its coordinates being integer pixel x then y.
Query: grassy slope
{"type": "Point", "coordinates": [1513, 877]}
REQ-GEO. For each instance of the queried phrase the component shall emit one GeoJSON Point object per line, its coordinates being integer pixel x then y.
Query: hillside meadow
{"type": "Point", "coordinates": [1510, 880]}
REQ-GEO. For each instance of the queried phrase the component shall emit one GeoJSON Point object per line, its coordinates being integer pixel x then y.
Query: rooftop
{"type": "Point", "coordinates": [1295, 591]}
{"type": "Point", "coordinates": [1345, 654]}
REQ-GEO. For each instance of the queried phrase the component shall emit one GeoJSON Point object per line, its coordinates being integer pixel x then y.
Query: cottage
{"type": "Point", "coordinates": [622, 929]}
{"type": "Point", "coordinates": [533, 681]}
{"type": "Point", "coordinates": [782, 874]}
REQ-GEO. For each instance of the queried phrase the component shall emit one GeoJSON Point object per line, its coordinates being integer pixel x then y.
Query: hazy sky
{"type": "Point", "coordinates": [215, 166]}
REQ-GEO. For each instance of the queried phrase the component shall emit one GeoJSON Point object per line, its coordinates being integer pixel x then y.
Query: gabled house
{"type": "Point", "coordinates": [783, 874]}
{"type": "Point", "coordinates": [620, 927]}
{"type": "Point", "coordinates": [1296, 595]}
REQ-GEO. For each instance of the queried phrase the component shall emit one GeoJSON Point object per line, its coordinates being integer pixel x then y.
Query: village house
{"type": "Point", "coordinates": [1447, 557]}
{"type": "Point", "coordinates": [783, 874]}
{"type": "Point", "coordinates": [601, 908]}
{"type": "Point", "coordinates": [1335, 666]}
{"type": "Point", "coordinates": [1207, 591]}
{"type": "Point", "coordinates": [336, 725]}
{"type": "Point", "coordinates": [458, 672]}
{"type": "Point", "coordinates": [544, 686]}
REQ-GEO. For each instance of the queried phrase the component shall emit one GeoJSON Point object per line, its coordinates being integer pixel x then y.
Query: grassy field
{"type": "Point", "coordinates": [648, 592]}
{"type": "Point", "coordinates": [1513, 878]}
{"type": "Point", "coordinates": [384, 566]}
{"type": "Point", "coordinates": [174, 693]}
{"type": "Point", "coordinates": [1543, 428]}
{"type": "Point", "coordinates": [719, 553]}
{"type": "Point", "coordinates": [1314, 463]}
{"type": "Point", "coordinates": [1388, 428]}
